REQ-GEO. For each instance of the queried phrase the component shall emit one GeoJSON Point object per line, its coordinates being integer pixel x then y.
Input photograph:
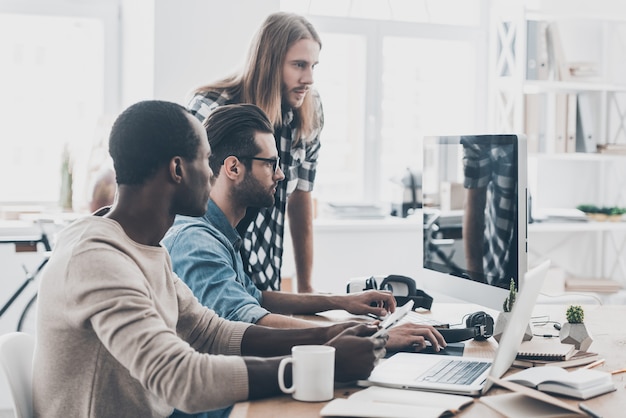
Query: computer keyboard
{"type": "Point", "coordinates": [460, 372]}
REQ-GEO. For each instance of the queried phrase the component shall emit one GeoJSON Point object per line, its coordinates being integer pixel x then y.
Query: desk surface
{"type": "Point", "coordinates": [605, 325]}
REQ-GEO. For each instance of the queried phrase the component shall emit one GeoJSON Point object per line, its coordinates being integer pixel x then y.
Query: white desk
{"type": "Point", "coordinates": [609, 342]}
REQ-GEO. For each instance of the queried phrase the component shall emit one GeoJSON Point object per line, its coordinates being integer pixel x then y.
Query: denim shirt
{"type": "Point", "coordinates": [205, 255]}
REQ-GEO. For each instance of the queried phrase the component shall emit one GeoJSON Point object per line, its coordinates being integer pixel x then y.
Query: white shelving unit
{"type": "Point", "coordinates": [529, 63]}
{"type": "Point", "coordinates": [532, 50]}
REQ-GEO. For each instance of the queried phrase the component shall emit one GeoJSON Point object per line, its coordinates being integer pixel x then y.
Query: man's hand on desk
{"type": "Point", "coordinates": [356, 356]}
{"type": "Point", "coordinates": [414, 337]}
{"type": "Point", "coordinates": [375, 302]}
{"type": "Point", "coordinates": [405, 337]}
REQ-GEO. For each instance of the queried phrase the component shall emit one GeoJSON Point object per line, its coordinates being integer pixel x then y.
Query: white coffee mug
{"type": "Point", "coordinates": [313, 371]}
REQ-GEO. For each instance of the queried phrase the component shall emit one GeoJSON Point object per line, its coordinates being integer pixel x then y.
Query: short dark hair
{"type": "Point", "coordinates": [231, 130]}
{"type": "Point", "coordinates": [147, 135]}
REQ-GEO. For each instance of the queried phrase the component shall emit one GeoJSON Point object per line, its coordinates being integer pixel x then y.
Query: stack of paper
{"type": "Point", "coordinates": [355, 211]}
{"type": "Point", "coordinates": [592, 285]}
{"type": "Point", "coordinates": [580, 358]}
{"type": "Point", "coordinates": [559, 215]}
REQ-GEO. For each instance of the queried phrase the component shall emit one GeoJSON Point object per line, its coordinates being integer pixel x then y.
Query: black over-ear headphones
{"type": "Point", "coordinates": [403, 289]}
{"type": "Point", "coordinates": [479, 326]}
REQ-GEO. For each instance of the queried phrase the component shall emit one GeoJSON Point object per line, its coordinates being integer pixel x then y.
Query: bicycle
{"type": "Point", "coordinates": [28, 315]}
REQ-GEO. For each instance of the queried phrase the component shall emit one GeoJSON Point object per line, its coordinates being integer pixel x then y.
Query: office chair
{"type": "Point", "coordinates": [16, 361]}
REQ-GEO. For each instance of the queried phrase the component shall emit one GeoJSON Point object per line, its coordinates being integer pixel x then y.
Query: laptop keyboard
{"type": "Point", "coordinates": [459, 372]}
{"type": "Point", "coordinates": [419, 319]}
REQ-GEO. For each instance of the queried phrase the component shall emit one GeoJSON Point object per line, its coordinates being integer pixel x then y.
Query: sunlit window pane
{"type": "Point", "coordinates": [52, 95]}
{"type": "Point", "coordinates": [340, 80]}
{"type": "Point", "coordinates": [428, 88]}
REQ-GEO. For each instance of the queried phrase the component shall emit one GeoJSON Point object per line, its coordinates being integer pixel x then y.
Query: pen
{"type": "Point", "coordinates": [618, 371]}
{"type": "Point", "coordinates": [594, 364]}
{"type": "Point", "coordinates": [371, 315]}
{"type": "Point", "coordinates": [588, 411]}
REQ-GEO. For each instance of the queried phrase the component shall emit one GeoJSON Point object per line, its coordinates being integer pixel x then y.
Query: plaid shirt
{"type": "Point", "coordinates": [495, 169]}
{"type": "Point", "coordinates": [262, 229]}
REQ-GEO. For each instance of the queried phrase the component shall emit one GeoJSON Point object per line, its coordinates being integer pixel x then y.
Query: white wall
{"type": "Point", "coordinates": [349, 248]}
{"type": "Point", "coordinates": [172, 46]}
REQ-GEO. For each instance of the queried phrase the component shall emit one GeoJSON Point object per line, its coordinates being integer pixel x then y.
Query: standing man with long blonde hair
{"type": "Point", "coordinates": [278, 78]}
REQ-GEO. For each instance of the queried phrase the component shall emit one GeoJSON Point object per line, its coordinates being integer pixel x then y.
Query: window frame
{"type": "Point", "coordinates": [374, 32]}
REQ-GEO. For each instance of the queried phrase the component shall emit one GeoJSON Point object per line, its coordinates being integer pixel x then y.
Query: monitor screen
{"type": "Point", "coordinates": [474, 196]}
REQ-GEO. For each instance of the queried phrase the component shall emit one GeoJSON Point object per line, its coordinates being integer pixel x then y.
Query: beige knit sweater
{"type": "Point", "coordinates": [119, 335]}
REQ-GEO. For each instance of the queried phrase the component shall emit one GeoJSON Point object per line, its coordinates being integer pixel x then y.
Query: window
{"type": "Point", "coordinates": [390, 73]}
{"type": "Point", "coordinates": [59, 80]}
{"type": "Point", "coordinates": [343, 95]}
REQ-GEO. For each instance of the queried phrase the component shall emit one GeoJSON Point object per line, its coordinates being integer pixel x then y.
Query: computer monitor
{"type": "Point", "coordinates": [474, 196]}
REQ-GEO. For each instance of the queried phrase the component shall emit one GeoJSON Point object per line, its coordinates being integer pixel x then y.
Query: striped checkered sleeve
{"type": "Point", "coordinates": [202, 104]}
{"type": "Point", "coordinates": [477, 166]}
{"type": "Point", "coordinates": [308, 166]}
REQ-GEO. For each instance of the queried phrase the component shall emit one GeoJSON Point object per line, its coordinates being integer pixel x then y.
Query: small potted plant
{"type": "Point", "coordinates": [574, 330]}
{"type": "Point", "coordinates": [504, 316]}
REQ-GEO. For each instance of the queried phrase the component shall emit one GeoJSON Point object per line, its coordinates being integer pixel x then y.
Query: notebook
{"type": "Point", "coordinates": [545, 350]}
{"type": "Point", "coordinates": [580, 358]}
{"type": "Point", "coordinates": [580, 384]}
{"type": "Point", "coordinates": [413, 370]}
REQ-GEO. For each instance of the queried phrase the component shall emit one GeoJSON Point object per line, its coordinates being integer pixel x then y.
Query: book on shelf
{"type": "Point", "coordinates": [535, 122]}
{"type": "Point", "coordinates": [537, 57]}
{"type": "Point", "coordinates": [556, 53]}
{"type": "Point", "coordinates": [538, 349]}
{"type": "Point", "coordinates": [584, 69]}
{"type": "Point", "coordinates": [571, 122]}
{"type": "Point", "coordinates": [580, 383]}
{"type": "Point", "coordinates": [560, 123]}
{"type": "Point", "coordinates": [612, 149]}
{"type": "Point", "coordinates": [585, 127]}
{"type": "Point", "coordinates": [579, 358]}
{"type": "Point", "coordinates": [387, 402]}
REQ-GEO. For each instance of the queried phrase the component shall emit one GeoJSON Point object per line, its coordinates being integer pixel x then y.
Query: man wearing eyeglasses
{"type": "Point", "coordinates": [205, 251]}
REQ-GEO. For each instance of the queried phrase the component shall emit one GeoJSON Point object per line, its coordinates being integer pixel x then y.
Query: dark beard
{"type": "Point", "coordinates": [251, 194]}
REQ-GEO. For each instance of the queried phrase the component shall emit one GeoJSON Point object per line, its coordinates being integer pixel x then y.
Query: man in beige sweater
{"type": "Point", "coordinates": [119, 335]}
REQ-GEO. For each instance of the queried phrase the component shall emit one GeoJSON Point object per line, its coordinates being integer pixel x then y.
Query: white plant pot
{"type": "Point", "coordinates": [502, 322]}
{"type": "Point", "coordinates": [576, 334]}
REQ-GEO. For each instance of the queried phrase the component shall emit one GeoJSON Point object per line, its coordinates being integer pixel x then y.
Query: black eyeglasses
{"type": "Point", "coordinates": [274, 161]}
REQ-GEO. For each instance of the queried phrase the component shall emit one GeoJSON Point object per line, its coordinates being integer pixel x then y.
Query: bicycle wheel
{"type": "Point", "coordinates": [28, 319]}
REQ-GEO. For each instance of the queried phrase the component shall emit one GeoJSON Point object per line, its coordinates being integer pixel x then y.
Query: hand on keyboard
{"type": "Point", "coordinates": [414, 337]}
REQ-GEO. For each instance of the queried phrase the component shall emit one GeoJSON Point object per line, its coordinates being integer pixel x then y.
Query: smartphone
{"type": "Point", "coordinates": [393, 319]}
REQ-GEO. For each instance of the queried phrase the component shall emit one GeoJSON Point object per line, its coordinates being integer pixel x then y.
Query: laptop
{"type": "Point", "coordinates": [416, 370]}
